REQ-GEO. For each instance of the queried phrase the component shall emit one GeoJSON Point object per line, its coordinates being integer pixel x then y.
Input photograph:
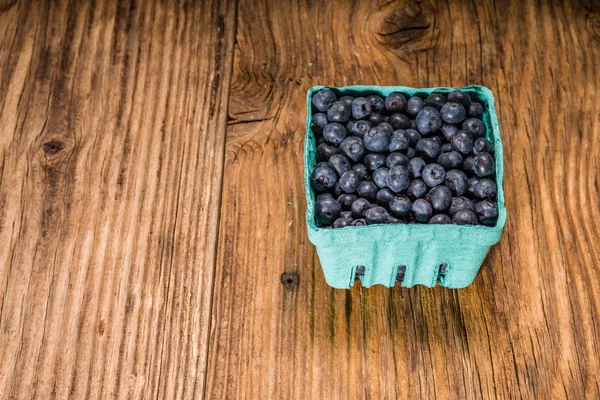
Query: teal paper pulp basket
{"type": "Point", "coordinates": [420, 249]}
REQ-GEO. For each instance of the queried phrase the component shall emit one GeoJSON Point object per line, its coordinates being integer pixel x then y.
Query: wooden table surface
{"type": "Point", "coordinates": [151, 196]}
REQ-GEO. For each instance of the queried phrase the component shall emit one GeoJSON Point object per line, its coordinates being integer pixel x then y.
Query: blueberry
{"type": "Point", "coordinates": [339, 112]}
{"type": "Point", "coordinates": [360, 128]}
{"type": "Point", "coordinates": [360, 207]}
{"type": "Point", "coordinates": [413, 136]}
{"type": "Point", "coordinates": [384, 196]}
{"type": "Point", "coordinates": [438, 140]}
{"type": "Point", "coordinates": [359, 222]}
{"type": "Point", "coordinates": [467, 166]}
{"type": "Point", "coordinates": [324, 196]}
{"type": "Point", "coordinates": [337, 190]}
{"type": "Point", "coordinates": [453, 113]}
{"type": "Point", "coordinates": [374, 160]}
{"type": "Point", "coordinates": [327, 211]}
{"type": "Point", "coordinates": [421, 210]}
{"type": "Point", "coordinates": [416, 189]}
{"type": "Point", "coordinates": [377, 139]}
{"type": "Point", "coordinates": [474, 126]}
{"type": "Point", "coordinates": [436, 100]}
{"type": "Point", "coordinates": [471, 187]}
{"type": "Point", "coordinates": [428, 120]}
{"type": "Point", "coordinates": [376, 118]}
{"type": "Point", "coordinates": [415, 167]}
{"type": "Point", "coordinates": [410, 153]}
{"type": "Point", "coordinates": [346, 214]}
{"type": "Point", "coordinates": [440, 219]}
{"type": "Point", "coordinates": [394, 220]}
{"type": "Point", "coordinates": [323, 179]}
{"type": "Point", "coordinates": [349, 181]}
{"type": "Point", "coordinates": [483, 164]}
{"type": "Point", "coordinates": [380, 177]}
{"type": "Point", "coordinates": [361, 108]}
{"type": "Point", "coordinates": [440, 198]}
{"type": "Point", "coordinates": [362, 171]}
{"type": "Point", "coordinates": [347, 99]}
{"type": "Point", "coordinates": [346, 200]}
{"type": "Point", "coordinates": [433, 175]}
{"type": "Point", "coordinates": [399, 205]}
{"type": "Point", "coordinates": [485, 189]}
{"type": "Point", "coordinates": [462, 142]}
{"type": "Point", "coordinates": [353, 148]}
{"type": "Point", "coordinates": [377, 103]}
{"type": "Point", "coordinates": [325, 151]}
{"type": "Point", "coordinates": [339, 164]}
{"type": "Point", "coordinates": [334, 132]}
{"type": "Point", "coordinates": [450, 160]}
{"type": "Point", "coordinates": [323, 100]}
{"type": "Point", "coordinates": [367, 190]}
{"type": "Point", "coordinates": [319, 120]}
{"type": "Point", "coordinates": [395, 102]}
{"type": "Point", "coordinates": [386, 127]}
{"type": "Point", "coordinates": [446, 147]}
{"type": "Point", "coordinates": [449, 130]}
{"type": "Point", "coordinates": [413, 106]}
{"type": "Point", "coordinates": [394, 159]}
{"type": "Point", "coordinates": [457, 182]}
{"type": "Point", "coordinates": [377, 215]}
{"type": "Point", "coordinates": [341, 222]}
{"type": "Point", "coordinates": [464, 217]}
{"type": "Point", "coordinates": [398, 178]}
{"type": "Point", "coordinates": [482, 144]}
{"type": "Point", "coordinates": [399, 121]}
{"type": "Point", "coordinates": [461, 97]}
{"type": "Point", "coordinates": [460, 203]}
{"type": "Point", "coordinates": [487, 212]}
{"type": "Point", "coordinates": [428, 149]}
{"type": "Point", "coordinates": [322, 164]}
{"type": "Point", "coordinates": [475, 110]}
{"type": "Point", "coordinates": [400, 140]}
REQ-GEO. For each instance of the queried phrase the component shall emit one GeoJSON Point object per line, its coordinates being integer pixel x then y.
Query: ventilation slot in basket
{"type": "Point", "coordinates": [360, 272]}
{"type": "Point", "coordinates": [442, 273]}
{"type": "Point", "coordinates": [400, 274]}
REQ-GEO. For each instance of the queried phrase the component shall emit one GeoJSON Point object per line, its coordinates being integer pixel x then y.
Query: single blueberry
{"type": "Point", "coordinates": [399, 121]}
{"type": "Point", "coordinates": [327, 211]}
{"type": "Point", "coordinates": [475, 110]}
{"type": "Point", "coordinates": [360, 128]}
{"type": "Point", "coordinates": [433, 175]}
{"type": "Point", "coordinates": [374, 160]}
{"type": "Point", "coordinates": [376, 118]}
{"type": "Point", "coordinates": [464, 217]}
{"type": "Point", "coordinates": [413, 136]}
{"type": "Point", "coordinates": [483, 164]}
{"type": "Point", "coordinates": [349, 181]}
{"type": "Point", "coordinates": [325, 151]}
{"type": "Point", "coordinates": [438, 140]}
{"type": "Point", "coordinates": [384, 196]}
{"type": "Point", "coordinates": [440, 198]}
{"type": "Point", "coordinates": [449, 130]}
{"type": "Point", "coordinates": [436, 100]}
{"type": "Point", "coordinates": [450, 160]}
{"type": "Point", "coordinates": [346, 214]}
{"type": "Point", "coordinates": [457, 182]}
{"type": "Point", "coordinates": [380, 177]}
{"type": "Point", "coordinates": [353, 148]}
{"type": "Point", "coordinates": [319, 120]}
{"type": "Point", "coordinates": [394, 220]}
{"type": "Point", "coordinates": [474, 126]}
{"type": "Point", "coordinates": [324, 196]}
{"type": "Point", "coordinates": [428, 120]}
{"type": "Point", "coordinates": [428, 149]}
{"type": "Point", "coordinates": [394, 159]}
{"type": "Point", "coordinates": [395, 102]}
{"type": "Point", "coordinates": [487, 212]}
{"type": "Point", "coordinates": [339, 112]}
{"type": "Point", "coordinates": [377, 215]}
{"type": "Point", "coordinates": [367, 190]}
{"type": "Point", "coordinates": [360, 207]}
{"type": "Point", "coordinates": [482, 144]}
{"type": "Point", "coordinates": [462, 142]}
{"type": "Point", "coordinates": [346, 200]}
{"type": "Point", "coordinates": [471, 187]}
{"type": "Point", "coordinates": [386, 127]}
{"type": "Point", "coordinates": [398, 178]}
{"type": "Point", "coordinates": [399, 141]}
{"type": "Point", "coordinates": [421, 210]}
{"type": "Point", "coordinates": [400, 205]}
{"type": "Point", "coordinates": [377, 103]}
{"type": "Point", "coordinates": [410, 153]}
{"type": "Point", "coordinates": [440, 219]}
{"type": "Point", "coordinates": [359, 222]}
{"type": "Point", "coordinates": [467, 166]}
{"type": "Point", "coordinates": [415, 167]}
{"type": "Point", "coordinates": [347, 99]}
{"type": "Point", "coordinates": [453, 113]}
{"type": "Point", "coordinates": [361, 108]}
{"type": "Point", "coordinates": [334, 132]}
{"type": "Point", "coordinates": [377, 139]}
{"type": "Point", "coordinates": [485, 189]}
{"type": "Point", "coordinates": [413, 106]}
{"type": "Point", "coordinates": [323, 179]}
{"type": "Point", "coordinates": [446, 147]}
{"type": "Point", "coordinates": [323, 100]}
{"type": "Point", "coordinates": [341, 222]}
{"type": "Point", "coordinates": [322, 164]}
{"type": "Point", "coordinates": [461, 97]}
{"type": "Point", "coordinates": [416, 189]}
{"type": "Point", "coordinates": [460, 203]}
{"type": "Point", "coordinates": [339, 164]}
{"type": "Point", "coordinates": [362, 171]}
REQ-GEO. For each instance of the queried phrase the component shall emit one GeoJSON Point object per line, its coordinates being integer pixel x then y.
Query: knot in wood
{"type": "Point", "coordinates": [289, 279]}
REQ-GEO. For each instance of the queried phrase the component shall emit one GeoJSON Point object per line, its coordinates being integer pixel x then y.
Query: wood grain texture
{"type": "Point", "coordinates": [112, 130]}
{"type": "Point", "coordinates": [529, 326]}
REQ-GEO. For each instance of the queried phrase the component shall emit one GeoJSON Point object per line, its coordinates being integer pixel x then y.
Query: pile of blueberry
{"type": "Point", "coordinates": [399, 160]}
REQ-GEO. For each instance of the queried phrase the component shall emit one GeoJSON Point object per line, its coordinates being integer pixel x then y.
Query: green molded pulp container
{"type": "Point", "coordinates": [381, 249]}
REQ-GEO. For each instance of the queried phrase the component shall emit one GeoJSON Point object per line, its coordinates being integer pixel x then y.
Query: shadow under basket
{"type": "Point", "coordinates": [410, 254]}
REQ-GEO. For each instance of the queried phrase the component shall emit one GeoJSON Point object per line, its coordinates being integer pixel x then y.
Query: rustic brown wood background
{"type": "Point", "coordinates": [151, 196]}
